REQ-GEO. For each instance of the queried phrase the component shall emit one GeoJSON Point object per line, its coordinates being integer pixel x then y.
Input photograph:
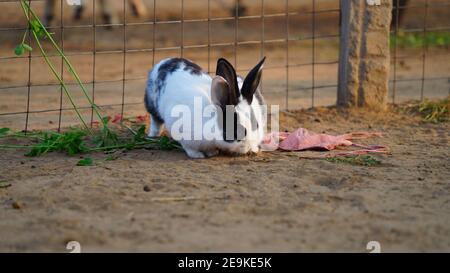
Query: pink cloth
{"type": "Point", "coordinates": [302, 139]}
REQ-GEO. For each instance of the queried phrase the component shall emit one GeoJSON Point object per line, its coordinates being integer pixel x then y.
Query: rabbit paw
{"type": "Point", "coordinates": [195, 154]}
{"type": "Point", "coordinates": [212, 153]}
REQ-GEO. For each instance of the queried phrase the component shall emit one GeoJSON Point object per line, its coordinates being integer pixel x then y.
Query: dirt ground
{"type": "Point", "coordinates": [274, 201]}
{"type": "Point", "coordinates": [162, 201]}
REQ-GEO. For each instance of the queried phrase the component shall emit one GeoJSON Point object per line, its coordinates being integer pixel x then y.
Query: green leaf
{"type": "Point", "coordinates": [4, 185]}
{"type": "Point", "coordinates": [105, 120]}
{"type": "Point", "coordinates": [86, 162]}
{"type": "Point", "coordinates": [34, 24]}
{"type": "Point", "coordinates": [27, 47]}
{"type": "Point", "coordinates": [37, 28]}
{"type": "Point", "coordinates": [70, 142]}
{"type": "Point", "coordinates": [130, 146]}
{"type": "Point", "coordinates": [166, 144]}
{"type": "Point", "coordinates": [106, 138]}
{"type": "Point", "coordinates": [140, 134]}
{"type": "Point", "coordinates": [4, 131]}
{"type": "Point", "coordinates": [19, 50]}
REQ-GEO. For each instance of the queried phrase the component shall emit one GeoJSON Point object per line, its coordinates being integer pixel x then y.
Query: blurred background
{"type": "Point", "coordinates": [113, 44]}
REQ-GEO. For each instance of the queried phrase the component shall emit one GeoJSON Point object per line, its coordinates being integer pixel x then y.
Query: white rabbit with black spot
{"type": "Point", "coordinates": [239, 120]}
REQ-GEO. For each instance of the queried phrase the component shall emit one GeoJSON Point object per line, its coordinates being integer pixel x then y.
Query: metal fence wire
{"type": "Point", "coordinates": [300, 39]}
{"type": "Point", "coordinates": [428, 74]}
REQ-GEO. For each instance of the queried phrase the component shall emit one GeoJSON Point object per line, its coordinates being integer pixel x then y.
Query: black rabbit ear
{"type": "Point", "coordinates": [251, 82]}
{"type": "Point", "coordinates": [226, 70]}
{"type": "Point", "coordinates": [220, 91]}
{"type": "Point", "coordinates": [220, 96]}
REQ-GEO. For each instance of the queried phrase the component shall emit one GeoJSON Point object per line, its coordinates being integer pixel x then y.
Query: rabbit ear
{"type": "Point", "coordinates": [251, 82]}
{"type": "Point", "coordinates": [220, 96]}
{"type": "Point", "coordinates": [220, 91]}
{"type": "Point", "coordinates": [226, 70]}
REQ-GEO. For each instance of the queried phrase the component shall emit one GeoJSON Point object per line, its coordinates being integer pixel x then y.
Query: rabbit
{"type": "Point", "coordinates": [178, 82]}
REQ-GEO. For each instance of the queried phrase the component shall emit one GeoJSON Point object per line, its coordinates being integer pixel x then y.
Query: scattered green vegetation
{"type": "Point", "coordinates": [78, 141]}
{"type": "Point", "coordinates": [4, 131]}
{"type": "Point", "coordinates": [361, 160]}
{"type": "Point", "coordinates": [86, 162]}
{"type": "Point", "coordinates": [435, 111]}
{"type": "Point", "coordinates": [75, 140]}
{"type": "Point", "coordinates": [70, 142]}
{"type": "Point", "coordinates": [419, 39]}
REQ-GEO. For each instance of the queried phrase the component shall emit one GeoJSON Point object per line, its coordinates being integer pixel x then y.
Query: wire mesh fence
{"type": "Point", "coordinates": [420, 59]}
{"type": "Point", "coordinates": [113, 50]}
{"type": "Point", "coordinates": [113, 57]}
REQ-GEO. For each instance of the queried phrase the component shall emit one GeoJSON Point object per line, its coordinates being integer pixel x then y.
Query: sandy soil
{"type": "Point", "coordinates": [269, 202]}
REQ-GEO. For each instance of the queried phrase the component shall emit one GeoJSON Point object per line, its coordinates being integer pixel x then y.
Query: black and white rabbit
{"type": "Point", "coordinates": [177, 83]}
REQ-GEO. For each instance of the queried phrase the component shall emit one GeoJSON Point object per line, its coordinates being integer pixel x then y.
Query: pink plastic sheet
{"type": "Point", "coordinates": [303, 139]}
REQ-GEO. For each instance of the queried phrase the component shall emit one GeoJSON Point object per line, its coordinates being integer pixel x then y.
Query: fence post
{"type": "Point", "coordinates": [364, 53]}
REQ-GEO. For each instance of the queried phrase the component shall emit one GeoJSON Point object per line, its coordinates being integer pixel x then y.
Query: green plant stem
{"type": "Point", "coordinates": [96, 149]}
{"type": "Point", "coordinates": [121, 146]}
{"type": "Point", "coordinates": [129, 129]}
{"type": "Point", "coordinates": [66, 60]}
{"type": "Point", "coordinates": [24, 136]}
{"type": "Point", "coordinates": [14, 147]}
{"type": "Point", "coordinates": [24, 36]}
{"type": "Point", "coordinates": [69, 96]}
{"type": "Point", "coordinates": [52, 68]}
